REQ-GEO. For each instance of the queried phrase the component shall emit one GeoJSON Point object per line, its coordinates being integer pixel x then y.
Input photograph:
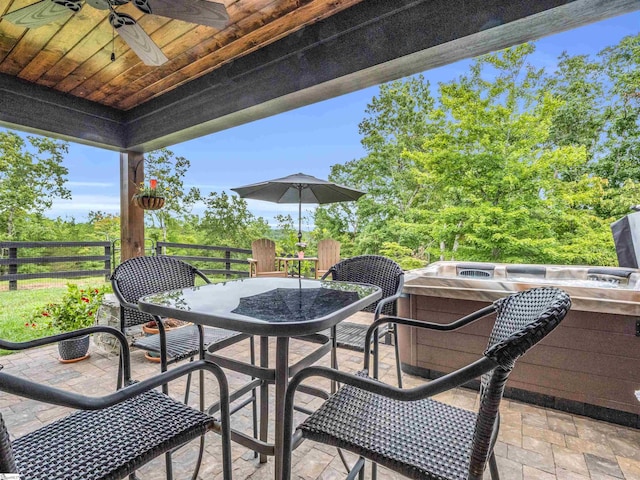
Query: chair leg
{"type": "Point", "coordinates": [358, 469]}
{"type": "Point", "coordinates": [374, 470]}
{"type": "Point", "coordinates": [254, 394]}
{"type": "Point", "coordinates": [120, 372]}
{"type": "Point", "coordinates": [188, 387]}
{"type": "Point", "coordinates": [376, 353]}
{"type": "Point", "coordinates": [395, 343]}
{"type": "Point", "coordinates": [169, 465]}
{"type": "Point", "coordinates": [334, 356]}
{"type": "Point", "coordinates": [493, 467]}
{"type": "Point", "coordinates": [199, 461]}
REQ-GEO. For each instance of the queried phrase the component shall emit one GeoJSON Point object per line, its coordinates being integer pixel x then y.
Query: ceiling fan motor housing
{"type": "Point", "coordinates": [106, 4]}
{"type": "Point", "coordinates": [73, 5]}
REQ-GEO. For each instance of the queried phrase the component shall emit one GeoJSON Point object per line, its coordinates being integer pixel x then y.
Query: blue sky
{"type": "Point", "coordinates": [308, 140]}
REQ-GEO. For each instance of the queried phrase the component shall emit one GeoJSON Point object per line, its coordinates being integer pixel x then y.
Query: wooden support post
{"type": "Point", "coordinates": [131, 216]}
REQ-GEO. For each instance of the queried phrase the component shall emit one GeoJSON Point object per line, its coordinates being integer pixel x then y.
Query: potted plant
{"type": "Point", "coordinates": [301, 246]}
{"type": "Point", "coordinates": [149, 197]}
{"type": "Point", "coordinates": [76, 310]}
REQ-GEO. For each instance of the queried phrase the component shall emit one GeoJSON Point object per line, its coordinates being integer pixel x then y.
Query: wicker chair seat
{"type": "Point", "coordinates": [110, 443]}
{"type": "Point", "coordinates": [424, 439]}
{"type": "Point", "coordinates": [184, 342]}
{"type": "Point", "coordinates": [351, 335]}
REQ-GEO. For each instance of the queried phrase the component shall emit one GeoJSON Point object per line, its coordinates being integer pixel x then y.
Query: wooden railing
{"type": "Point", "coordinates": [224, 258]}
{"type": "Point", "coordinates": [16, 256]}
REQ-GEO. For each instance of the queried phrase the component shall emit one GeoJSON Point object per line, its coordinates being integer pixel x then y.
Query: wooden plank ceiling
{"type": "Point", "coordinates": [74, 56]}
{"type": "Point", "coordinates": [273, 56]}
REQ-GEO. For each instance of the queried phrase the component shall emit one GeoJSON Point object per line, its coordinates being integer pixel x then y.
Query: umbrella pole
{"type": "Point", "coordinates": [299, 213]}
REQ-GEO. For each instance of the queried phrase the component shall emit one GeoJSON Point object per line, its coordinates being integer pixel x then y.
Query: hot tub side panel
{"type": "Point", "coordinates": [588, 365]}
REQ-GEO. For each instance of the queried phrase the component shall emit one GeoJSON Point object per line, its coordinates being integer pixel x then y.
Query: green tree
{"type": "Point", "coordinates": [395, 121]}
{"type": "Point", "coordinates": [498, 192]}
{"type": "Point", "coordinates": [105, 226]}
{"type": "Point", "coordinates": [486, 170]}
{"type": "Point", "coordinates": [31, 177]}
{"type": "Point", "coordinates": [600, 111]}
{"type": "Point", "coordinates": [169, 169]}
{"type": "Point", "coordinates": [228, 221]}
{"type": "Point", "coordinates": [619, 155]}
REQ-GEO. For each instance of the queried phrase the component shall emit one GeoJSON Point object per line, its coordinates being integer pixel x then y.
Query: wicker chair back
{"type": "Point", "coordinates": [522, 320]}
{"type": "Point", "coordinates": [372, 269]}
{"type": "Point", "coordinates": [140, 276]}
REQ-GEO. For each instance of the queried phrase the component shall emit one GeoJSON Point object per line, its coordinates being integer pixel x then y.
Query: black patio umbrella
{"type": "Point", "coordinates": [299, 188]}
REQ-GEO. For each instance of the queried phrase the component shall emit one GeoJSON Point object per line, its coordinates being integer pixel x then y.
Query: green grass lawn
{"type": "Point", "coordinates": [17, 307]}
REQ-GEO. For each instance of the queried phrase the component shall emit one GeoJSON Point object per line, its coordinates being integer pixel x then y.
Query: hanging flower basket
{"type": "Point", "coordinates": [149, 197]}
{"type": "Point", "coordinates": [147, 202]}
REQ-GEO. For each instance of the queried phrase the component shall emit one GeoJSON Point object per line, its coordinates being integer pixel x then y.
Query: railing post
{"type": "Point", "coordinates": [158, 249]}
{"type": "Point", "coordinates": [13, 268]}
{"type": "Point", "coordinates": [107, 261]}
{"type": "Point", "coordinates": [227, 265]}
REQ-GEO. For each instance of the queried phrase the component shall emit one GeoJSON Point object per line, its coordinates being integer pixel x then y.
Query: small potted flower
{"type": "Point", "coordinates": [76, 310]}
{"type": "Point", "coordinates": [149, 197]}
{"type": "Point", "coordinates": [301, 246]}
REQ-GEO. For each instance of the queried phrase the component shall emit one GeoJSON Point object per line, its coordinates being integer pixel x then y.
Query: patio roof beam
{"type": "Point", "coordinates": [36, 109]}
{"type": "Point", "coordinates": [370, 43]}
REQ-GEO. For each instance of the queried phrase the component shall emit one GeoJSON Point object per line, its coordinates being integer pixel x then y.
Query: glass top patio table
{"type": "Point", "coordinates": [268, 307]}
{"type": "Point", "coordinates": [274, 307]}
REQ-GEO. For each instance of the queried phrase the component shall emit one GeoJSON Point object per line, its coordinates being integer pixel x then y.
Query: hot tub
{"type": "Point", "coordinates": [588, 365]}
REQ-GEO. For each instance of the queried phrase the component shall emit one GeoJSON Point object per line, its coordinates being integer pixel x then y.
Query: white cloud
{"type": "Point", "coordinates": [91, 184]}
{"type": "Point", "coordinates": [83, 204]}
{"type": "Point", "coordinates": [207, 187]}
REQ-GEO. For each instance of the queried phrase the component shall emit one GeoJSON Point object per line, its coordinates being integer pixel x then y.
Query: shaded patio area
{"type": "Point", "coordinates": [534, 443]}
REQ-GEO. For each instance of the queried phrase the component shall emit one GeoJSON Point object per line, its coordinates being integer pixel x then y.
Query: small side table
{"type": "Point", "coordinates": [287, 260]}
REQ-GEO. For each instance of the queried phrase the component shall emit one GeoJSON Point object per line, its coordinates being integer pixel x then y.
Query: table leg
{"type": "Point", "coordinates": [264, 395]}
{"type": "Point", "coordinates": [282, 380]}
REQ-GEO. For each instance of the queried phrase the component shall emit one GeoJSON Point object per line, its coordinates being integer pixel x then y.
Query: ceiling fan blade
{"type": "Point", "coordinates": [202, 12]}
{"type": "Point", "coordinates": [43, 12]}
{"type": "Point", "coordinates": [137, 39]}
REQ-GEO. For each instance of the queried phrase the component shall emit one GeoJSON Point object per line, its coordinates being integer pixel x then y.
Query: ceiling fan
{"type": "Point", "coordinates": [202, 12]}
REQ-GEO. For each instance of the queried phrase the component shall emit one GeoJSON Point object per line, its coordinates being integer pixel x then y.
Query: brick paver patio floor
{"type": "Point", "coordinates": [534, 443]}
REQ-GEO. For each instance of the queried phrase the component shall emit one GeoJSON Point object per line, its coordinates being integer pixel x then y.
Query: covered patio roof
{"type": "Point", "coordinates": [59, 80]}
{"type": "Point", "coordinates": [274, 55]}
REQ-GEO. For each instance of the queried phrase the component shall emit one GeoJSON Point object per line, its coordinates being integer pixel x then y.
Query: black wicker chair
{"type": "Point", "coordinates": [111, 436]}
{"type": "Point", "coordinates": [411, 434]}
{"type": "Point", "coordinates": [375, 270]}
{"type": "Point", "coordinates": [140, 276]}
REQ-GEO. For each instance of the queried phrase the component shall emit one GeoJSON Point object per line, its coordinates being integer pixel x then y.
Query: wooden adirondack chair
{"type": "Point", "coordinates": [263, 261]}
{"type": "Point", "coordinates": [328, 255]}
